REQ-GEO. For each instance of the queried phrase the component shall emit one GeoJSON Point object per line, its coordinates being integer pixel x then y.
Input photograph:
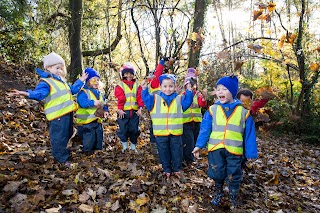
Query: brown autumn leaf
{"type": "Point", "coordinates": [238, 64]}
{"type": "Point", "coordinates": [255, 47]}
{"type": "Point", "coordinates": [291, 37]}
{"type": "Point", "coordinates": [318, 49]}
{"type": "Point", "coordinates": [275, 179]}
{"type": "Point", "coordinates": [314, 67]}
{"type": "Point", "coordinates": [271, 6]}
{"type": "Point", "coordinates": [223, 54]}
{"type": "Point", "coordinates": [256, 14]}
{"type": "Point", "coordinates": [261, 5]}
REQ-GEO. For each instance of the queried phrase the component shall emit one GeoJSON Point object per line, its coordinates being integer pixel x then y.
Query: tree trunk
{"type": "Point", "coordinates": [75, 68]}
{"type": "Point", "coordinates": [199, 12]}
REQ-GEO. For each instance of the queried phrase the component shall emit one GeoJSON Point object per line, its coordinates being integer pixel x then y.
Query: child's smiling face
{"type": "Point", "coordinates": [128, 76]}
{"type": "Point", "coordinates": [56, 69]}
{"type": "Point", "coordinates": [94, 82]}
{"type": "Point", "coordinates": [167, 86]}
{"type": "Point", "coordinates": [224, 94]}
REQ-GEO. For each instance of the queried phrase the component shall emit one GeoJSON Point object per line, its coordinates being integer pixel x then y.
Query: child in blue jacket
{"type": "Point", "coordinates": [226, 127]}
{"type": "Point", "coordinates": [58, 103]}
{"type": "Point", "coordinates": [166, 110]}
{"type": "Point", "coordinates": [90, 100]}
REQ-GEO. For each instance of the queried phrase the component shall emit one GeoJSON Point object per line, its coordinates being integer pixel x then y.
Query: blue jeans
{"type": "Point", "coordinates": [224, 166]}
{"type": "Point", "coordinates": [129, 127]}
{"type": "Point", "coordinates": [60, 130]}
{"type": "Point", "coordinates": [189, 137]}
{"type": "Point", "coordinates": [92, 136]}
{"type": "Point", "coordinates": [170, 152]}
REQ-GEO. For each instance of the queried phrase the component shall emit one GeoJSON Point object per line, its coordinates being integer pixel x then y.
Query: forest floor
{"type": "Point", "coordinates": [285, 177]}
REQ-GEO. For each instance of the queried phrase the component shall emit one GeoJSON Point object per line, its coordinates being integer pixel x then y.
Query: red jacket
{"type": "Point", "coordinates": [256, 105]}
{"type": "Point", "coordinates": [119, 93]}
{"type": "Point", "coordinates": [155, 83]}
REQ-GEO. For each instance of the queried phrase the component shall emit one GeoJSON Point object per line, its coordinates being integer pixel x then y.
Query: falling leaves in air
{"type": "Point", "coordinates": [285, 175]}
{"type": "Point", "coordinates": [196, 40]}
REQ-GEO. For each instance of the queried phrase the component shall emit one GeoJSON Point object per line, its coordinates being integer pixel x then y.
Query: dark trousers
{"type": "Point", "coordinates": [152, 137]}
{"type": "Point", "coordinates": [60, 130]}
{"type": "Point", "coordinates": [224, 166]}
{"type": "Point", "coordinates": [170, 152]}
{"type": "Point", "coordinates": [129, 127]}
{"type": "Point", "coordinates": [189, 138]}
{"type": "Point", "coordinates": [92, 136]}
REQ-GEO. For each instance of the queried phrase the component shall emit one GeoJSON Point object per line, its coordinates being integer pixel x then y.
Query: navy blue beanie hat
{"type": "Point", "coordinates": [231, 83]}
{"type": "Point", "coordinates": [167, 76]}
{"type": "Point", "coordinates": [91, 73]}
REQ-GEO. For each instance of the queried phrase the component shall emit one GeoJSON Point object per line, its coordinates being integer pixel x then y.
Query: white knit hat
{"type": "Point", "coordinates": [52, 59]}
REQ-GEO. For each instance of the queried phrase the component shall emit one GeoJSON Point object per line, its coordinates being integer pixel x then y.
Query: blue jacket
{"type": "Point", "coordinates": [42, 89]}
{"type": "Point", "coordinates": [85, 102]}
{"type": "Point", "coordinates": [148, 99]}
{"type": "Point", "coordinates": [249, 137]}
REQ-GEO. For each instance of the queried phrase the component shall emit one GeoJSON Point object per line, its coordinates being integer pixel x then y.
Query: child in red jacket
{"type": "Point", "coordinates": [130, 104]}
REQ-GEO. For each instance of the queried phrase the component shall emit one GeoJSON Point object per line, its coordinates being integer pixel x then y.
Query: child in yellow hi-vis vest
{"type": "Point", "coordinates": [90, 99]}
{"type": "Point", "coordinates": [58, 103]}
{"type": "Point", "coordinates": [166, 110]}
{"type": "Point", "coordinates": [192, 118]}
{"type": "Point", "coordinates": [130, 104]}
{"type": "Point", "coordinates": [226, 127]}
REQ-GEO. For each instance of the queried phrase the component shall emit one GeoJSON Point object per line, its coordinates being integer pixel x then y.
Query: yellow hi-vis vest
{"type": "Point", "coordinates": [167, 120]}
{"type": "Point", "coordinates": [193, 113]}
{"type": "Point", "coordinates": [131, 99]}
{"type": "Point", "coordinates": [59, 102]}
{"type": "Point", "coordinates": [227, 133]}
{"type": "Point", "coordinates": [86, 115]}
{"type": "Point", "coordinates": [155, 90]}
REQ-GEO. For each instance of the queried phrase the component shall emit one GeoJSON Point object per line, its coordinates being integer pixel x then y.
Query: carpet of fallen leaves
{"type": "Point", "coordinates": [285, 178]}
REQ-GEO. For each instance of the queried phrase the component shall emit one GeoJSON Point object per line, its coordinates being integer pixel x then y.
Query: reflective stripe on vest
{"type": "Point", "coordinates": [193, 113]}
{"type": "Point", "coordinates": [227, 133]}
{"type": "Point", "coordinates": [155, 90]}
{"type": "Point", "coordinates": [59, 101]}
{"type": "Point", "coordinates": [131, 99]}
{"type": "Point", "coordinates": [86, 115]}
{"type": "Point", "coordinates": [167, 120]}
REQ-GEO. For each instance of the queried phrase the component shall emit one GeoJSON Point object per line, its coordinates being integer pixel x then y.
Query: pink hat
{"type": "Point", "coordinates": [191, 73]}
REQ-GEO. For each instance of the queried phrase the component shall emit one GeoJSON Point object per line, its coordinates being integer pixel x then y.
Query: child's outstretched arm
{"type": "Point", "coordinates": [79, 83]}
{"type": "Point", "coordinates": [41, 91]}
{"type": "Point", "coordinates": [187, 98]}
{"type": "Point", "coordinates": [147, 98]}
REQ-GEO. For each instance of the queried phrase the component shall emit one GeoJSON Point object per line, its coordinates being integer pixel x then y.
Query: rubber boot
{"type": "Point", "coordinates": [233, 199]}
{"type": "Point", "coordinates": [124, 146]}
{"type": "Point", "coordinates": [218, 196]}
{"type": "Point", "coordinates": [133, 147]}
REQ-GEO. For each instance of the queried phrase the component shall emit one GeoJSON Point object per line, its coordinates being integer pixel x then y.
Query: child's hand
{"type": "Point", "coordinates": [188, 86]}
{"type": "Point", "coordinates": [84, 76]}
{"type": "Point", "coordinates": [144, 84]}
{"type": "Point", "coordinates": [178, 88]}
{"type": "Point", "coordinates": [204, 93]}
{"type": "Point", "coordinates": [195, 152]}
{"type": "Point", "coordinates": [139, 112]}
{"type": "Point", "coordinates": [18, 92]}
{"type": "Point", "coordinates": [214, 92]}
{"type": "Point", "coordinates": [121, 113]}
